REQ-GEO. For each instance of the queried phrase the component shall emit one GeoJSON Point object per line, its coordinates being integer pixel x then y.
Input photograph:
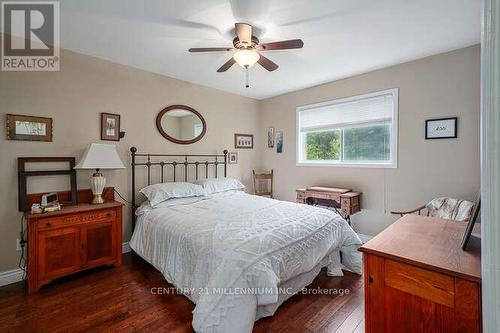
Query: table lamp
{"type": "Point", "coordinates": [99, 156]}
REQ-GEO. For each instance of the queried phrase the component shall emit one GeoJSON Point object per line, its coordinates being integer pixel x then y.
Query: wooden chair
{"type": "Point", "coordinates": [445, 208]}
{"type": "Point", "coordinates": [263, 181]}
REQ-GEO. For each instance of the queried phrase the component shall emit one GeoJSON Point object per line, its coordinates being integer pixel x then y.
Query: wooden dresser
{"type": "Point", "coordinates": [71, 240]}
{"type": "Point", "coordinates": [418, 279]}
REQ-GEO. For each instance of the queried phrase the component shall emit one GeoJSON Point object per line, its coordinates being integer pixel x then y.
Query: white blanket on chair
{"type": "Point", "coordinates": [451, 209]}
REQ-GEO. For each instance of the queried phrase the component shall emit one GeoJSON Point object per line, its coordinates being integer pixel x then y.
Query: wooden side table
{"type": "Point", "coordinates": [348, 201]}
{"type": "Point", "coordinates": [73, 239]}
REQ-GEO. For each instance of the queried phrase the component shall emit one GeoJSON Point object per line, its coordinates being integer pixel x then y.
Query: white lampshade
{"type": "Point", "coordinates": [246, 58]}
{"type": "Point", "coordinates": [100, 156]}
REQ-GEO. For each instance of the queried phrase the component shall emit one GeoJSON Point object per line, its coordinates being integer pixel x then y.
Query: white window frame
{"type": "Point", "coordinates": [197, 128]}
{"type": "Point", "coordinates": [392, 163]}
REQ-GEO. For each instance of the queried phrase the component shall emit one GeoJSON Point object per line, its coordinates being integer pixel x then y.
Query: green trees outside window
{"type": "Point", "coordinates": [323, 145]}
{"type": "Point", "coordinates": [362, 143]}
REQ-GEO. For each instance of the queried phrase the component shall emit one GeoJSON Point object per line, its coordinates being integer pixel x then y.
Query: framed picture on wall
{"type": "Point", "coordinates": [243, 141]}
{"type": "Point", "coordinates": [28, 128]}
{"type": "Point", "coordinates": [279, 141]}
{"type": "Point", "coordinates": [110, 127]}
{"type": "Point", "coordinates": [270, 137]}
{"type": "Point", "coordinates": [232, 158]}
{"type": "Point", "coordinates": [442, 128]}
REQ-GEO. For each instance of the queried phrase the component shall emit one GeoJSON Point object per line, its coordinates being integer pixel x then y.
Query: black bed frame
{"type": "Point", "coordinates": [182, 160]}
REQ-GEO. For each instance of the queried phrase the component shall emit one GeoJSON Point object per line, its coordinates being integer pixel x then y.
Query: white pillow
{"type": "Point", "coordinates": [146, 205]}
{"type": "Point", "coordinates": [216, 185]}
{"type": "Point", "coordinates": [161, 192]}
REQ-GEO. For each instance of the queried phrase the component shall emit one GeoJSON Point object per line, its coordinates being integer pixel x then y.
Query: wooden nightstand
{"type": "Point", "coordinates": [73, 239]}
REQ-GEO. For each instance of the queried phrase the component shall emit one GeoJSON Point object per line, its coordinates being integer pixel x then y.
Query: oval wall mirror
{"type": "Point", "coordinates": [181, 124]}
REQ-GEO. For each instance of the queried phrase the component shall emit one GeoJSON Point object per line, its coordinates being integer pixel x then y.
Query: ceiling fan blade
{"type": "Point", "coordinates": [209, 49]}
{"type": "Point", "coordinates": [267, 64]}
{"type": "Point", "coordinates": [226, 66]}
{"type": "Point", "coordinates": [244, 32]}
{"type": "Point", "coordinates": [283, 45]}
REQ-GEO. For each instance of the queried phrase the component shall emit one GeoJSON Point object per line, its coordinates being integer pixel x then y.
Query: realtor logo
{"type": "Point", "coordinates": [31, 36]}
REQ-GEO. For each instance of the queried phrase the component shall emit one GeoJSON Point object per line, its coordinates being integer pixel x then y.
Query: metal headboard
{"type": "Point", "coordinates": [149, 160]}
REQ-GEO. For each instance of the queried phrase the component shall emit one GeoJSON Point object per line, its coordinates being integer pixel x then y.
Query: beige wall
{"type": "Point", "coordinates": [75, 97]}
{"type": "Point", "coordinates": [438, 86]}
{"type": "Point", "coordinates": [443, 85]}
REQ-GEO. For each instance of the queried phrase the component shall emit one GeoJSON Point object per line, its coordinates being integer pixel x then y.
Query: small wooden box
{"type": "Point", "coordinates": [301, 196]}
{"type": "Point", "coordinates": [350, 202]}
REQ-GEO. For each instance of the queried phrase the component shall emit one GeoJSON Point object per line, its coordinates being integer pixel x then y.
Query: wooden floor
{"type": "Point", "coordinates": [120, 300]}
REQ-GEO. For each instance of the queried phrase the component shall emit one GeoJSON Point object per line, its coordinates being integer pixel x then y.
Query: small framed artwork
{"type": "Point", "coordinates": [232, 158]}
{"type": "Point", "coordinates": [270, 137]}
{"type": "Point", "coordinates": [442, 128]}
{"type": "Point", "coordinates": [244, 141]}
{"type": "Point", "coordinates": [110, 127]}
{"type": "Point", "coordinates": [279, 141]}
{"type": "Point", "coordinates": [28, 128]}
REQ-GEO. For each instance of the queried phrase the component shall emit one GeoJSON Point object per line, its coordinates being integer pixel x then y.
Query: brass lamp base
{"type": "Point", "coordinates": [97, 199]}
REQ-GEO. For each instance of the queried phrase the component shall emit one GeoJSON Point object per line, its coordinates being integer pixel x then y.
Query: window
{"type": "Point", "coordinates": [354, 131]}
{"type": "Point", "coordinates": [198, 128]}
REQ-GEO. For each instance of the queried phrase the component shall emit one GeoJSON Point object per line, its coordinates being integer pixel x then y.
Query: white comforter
{"type": "Point", "coordinates": [230, 252]}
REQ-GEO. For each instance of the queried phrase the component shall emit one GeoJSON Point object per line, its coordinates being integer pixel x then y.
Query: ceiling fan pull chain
{"type": "Point", "coordinates": [247, 84]}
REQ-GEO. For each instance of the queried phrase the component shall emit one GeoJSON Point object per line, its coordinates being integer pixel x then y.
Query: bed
{"type": "Point", "coordinates": [237, 256]}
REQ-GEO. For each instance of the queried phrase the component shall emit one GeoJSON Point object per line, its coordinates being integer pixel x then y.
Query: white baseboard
{"type": "Point", "coordinates": [11, 276]}
{"type": "Point", "coordinates": [126, 247]}
{"type": "Point", "coordinates": [364, 238]}
{"type": "Point", "coordinates": [16, 275]}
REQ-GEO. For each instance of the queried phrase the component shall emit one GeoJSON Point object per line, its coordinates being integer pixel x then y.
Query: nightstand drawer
{"type": "Point", "coordinates": [93, 216]}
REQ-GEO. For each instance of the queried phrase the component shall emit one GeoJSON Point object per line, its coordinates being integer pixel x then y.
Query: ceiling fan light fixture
{"type": "Point", "coordinates": [246, 58]}
{"type": "Point", "coordinates": [247, 47]}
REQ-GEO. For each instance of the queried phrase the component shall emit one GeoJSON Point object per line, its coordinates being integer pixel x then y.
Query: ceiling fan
{"type": "Point", "coordinates": [248, 49]}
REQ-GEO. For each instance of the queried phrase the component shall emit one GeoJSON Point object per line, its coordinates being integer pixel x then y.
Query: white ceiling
{"type": "Point", "coordinates": [341, 37]}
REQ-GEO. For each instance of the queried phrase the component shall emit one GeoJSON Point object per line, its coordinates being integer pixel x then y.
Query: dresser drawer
{"type": "Point", "coordinates": [418, 279]}
{"type": "Point", "coordinates": [327, 196]}
{"type": "Point", "coordinates": [433, 286]}
{"type": "Point", "coordinates": [82, 218]}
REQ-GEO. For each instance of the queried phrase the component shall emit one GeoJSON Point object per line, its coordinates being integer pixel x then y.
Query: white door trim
{"type": "Point", "coordinates": [490, 164]}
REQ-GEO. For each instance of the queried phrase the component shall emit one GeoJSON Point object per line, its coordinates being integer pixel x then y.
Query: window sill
{"type": "Point", "coordinates": [348, 165]}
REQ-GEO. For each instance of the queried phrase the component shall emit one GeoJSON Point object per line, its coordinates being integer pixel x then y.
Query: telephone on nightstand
{"type": "Point", "coordinates": [49, 199]}
{"type": "Point", "coordinates": [49, 203]}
